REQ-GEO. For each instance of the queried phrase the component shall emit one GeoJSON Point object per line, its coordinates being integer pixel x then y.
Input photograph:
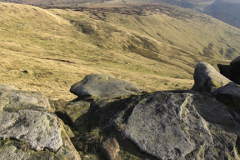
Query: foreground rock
{"type": "Point", "coordinates": [104, 86]}
{"type": "Point", "coordinates": [28, 126]}
{"type": "Point", "coordinates": [229, 95]}
{"type": "Point", "coordinates": [182, 126]}
{"type": "Point", "coordinates": [207, 79]}
{"type": "Point", "coordinates": [231, 71]}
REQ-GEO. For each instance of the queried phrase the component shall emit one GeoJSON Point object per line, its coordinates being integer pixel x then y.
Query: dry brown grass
{"type": "Point", "coordinates": [63, 46]}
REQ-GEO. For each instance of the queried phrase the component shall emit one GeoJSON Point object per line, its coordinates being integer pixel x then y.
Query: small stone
{"type": "Point", "coordinates": [110, 147]}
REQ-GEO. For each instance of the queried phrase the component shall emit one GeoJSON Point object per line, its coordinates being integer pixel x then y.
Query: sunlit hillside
{"type": "Point", "coordinates": [153, 46]}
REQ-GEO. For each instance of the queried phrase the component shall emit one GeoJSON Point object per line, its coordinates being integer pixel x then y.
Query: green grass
{"type": "Point", "coordinates": [153, 46]}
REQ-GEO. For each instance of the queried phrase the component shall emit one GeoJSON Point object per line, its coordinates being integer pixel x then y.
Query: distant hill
{"type": "Point", "coordinates": [197, 5]}
{"type": "Point", "coordinates": [155, 46]}
{"type": "Point", "coordinates": [227, 11]}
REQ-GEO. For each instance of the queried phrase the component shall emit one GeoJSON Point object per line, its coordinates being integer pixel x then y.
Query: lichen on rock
{"type": "Point", "coordinates": [169, 126]}
{"type": "Point", "coordinates": [40, 130]}
{"type": "Point", "coordinates": [30, 130]}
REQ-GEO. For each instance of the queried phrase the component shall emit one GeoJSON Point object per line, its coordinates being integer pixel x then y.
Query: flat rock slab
{"type": "Point", "coordinates": [40, 130]}
{"type": "Point", "coordinates": [207, 79]}
{"type": "Point", "coordinates": [104, 86]}
{"type": "Point", "coordinates": [168, 126]}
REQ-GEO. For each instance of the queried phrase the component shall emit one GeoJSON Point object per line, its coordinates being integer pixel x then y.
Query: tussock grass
{"type": "Point", "coordinates": [155, 47]}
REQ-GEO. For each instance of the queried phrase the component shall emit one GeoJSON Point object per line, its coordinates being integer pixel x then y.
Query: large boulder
{"type": "Point", "coordinates": [207, 79]}
{"type": "Point", "coordinates": [231, 71]}
{"type": "Point", "coordinates": [235, 70]}
{"type": "Point", "coordinates": [229, 95]}
{"type": "Point", "coordinates": [104, 86]}
{"type": "Point", "coordinates": [163, 125]}
{"type": "Point", "coordinates": [178, 126]}
{"type": "Point", "coordinates": [224, 70]}
{"type": "Point", "coordinates": [30, 130]}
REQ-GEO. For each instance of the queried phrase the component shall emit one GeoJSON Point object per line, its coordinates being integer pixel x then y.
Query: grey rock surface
{"type": "Point", "coordinates": [224, 70]}
{"type": "Point", "coordinates": [102, 85]}
{"type": "Point", "coordinates": [235, 70]}
{"type": "Point", "coordinates": [28, 125]}
{"type": "Point", "coordinates": [207, 79]}
{"type": "Point", "coordinates": [229, 95]}
{"type": "Point", "coordinates": [40, 130]}
{"type": "Point", "coordinates": [231, 71]}
{"type": "Point", "coordinates": [12, 153]}
{"type": "Point", "coordinates": [169, 126]}
{"type": "Point", "coordinates": [21, 100]}
{"type": "Point", "coordinates": [76, 109]}
{"type": "Point", "coordinates": [6, 87]}
{"type": "Point", "coordinates": [230, 89]}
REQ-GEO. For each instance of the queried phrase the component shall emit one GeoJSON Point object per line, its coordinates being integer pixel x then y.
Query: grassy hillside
{"type": "Point", "coordinates": [153, 46]}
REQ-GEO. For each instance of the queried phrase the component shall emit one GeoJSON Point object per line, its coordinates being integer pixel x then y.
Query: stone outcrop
{"type": "Point", "coordinates": [207, 79]}
{"type": "Point", "coordinates": [29, 129]}
{"type": "Point", "coordinates": [104, 86]}
{"type": "Point", "coordinates": [14, 100]}
{"type": "Point", "coordinates": [229, 95]}
{"type": "Point", "coordinates": [162, 125]}
{"type": "Point", "coordinates": [231, 71]}
{"type": "Point", "coordinates": [6, 87]}
{"type": "Point", "coordinates": [235, 70]}
{"type": "Point", "coordinates": [176, 126]}
{"type": "Point", "coordinates": [40, 130]}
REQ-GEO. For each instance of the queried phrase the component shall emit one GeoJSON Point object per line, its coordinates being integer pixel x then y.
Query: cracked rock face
{"type": "Point", "coordinates": [40, 130]}
{"type": "Point", "coordinates": [168, 126]}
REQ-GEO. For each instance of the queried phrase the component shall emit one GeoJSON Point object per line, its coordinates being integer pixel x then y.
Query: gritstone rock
{"type": "Point", "coordinates": [207, 79]}
{"type": "Point", "coordinates": [28, 126]}
{"type": "Point", "coordinates": [177, 126]}
{"type": "Point", "coordinates": [6, 87]}
{"type": "Point", "coordinates": [231, 71]}
{"type": "Point", "coordinates": [102, 85]}
{"type": "Point", "coordinates": [229, 95]}
{"type": "Point", "coordinates": [23, 100]}
{"type": "Point", "coordinates": [235, 70]}
{"type": "Point", "coordinates": [40, 130]}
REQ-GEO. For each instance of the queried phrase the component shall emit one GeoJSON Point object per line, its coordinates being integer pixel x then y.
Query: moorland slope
{"type": "Point", "coordinates": [154, 46]}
